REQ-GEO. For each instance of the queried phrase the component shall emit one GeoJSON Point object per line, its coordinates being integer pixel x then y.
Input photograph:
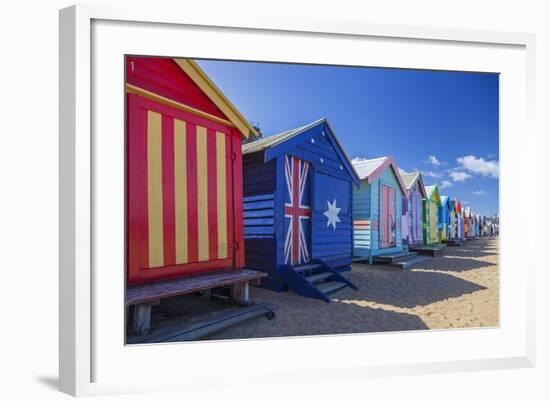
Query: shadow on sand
{"type": "Point", "coordinates": [318, 318]}
{"type": "Point", "coordinates": [473, 249]}
{"type": "Point", "coordinates": [407, 289]}
{"type": "Point", "coordinates": [448, 263]}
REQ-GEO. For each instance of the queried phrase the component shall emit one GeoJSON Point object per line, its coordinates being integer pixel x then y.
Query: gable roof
{"type": "Point", "coordinates": [199, 77]}
{"type": "Point", "coordinates": [273, 140]}
{"type": "Point", "coordinates": [371, 169]}
{"type": "Point", "coordinates": [431, 191]}
{"type": "Point", "coordinates": [445, 200]}
{"type": "Point", "coordinates": [278, 144]}
{"type": "Point", "coordinates": [458, 207]}
{"type": "Point", "coordinates": [410, 178]}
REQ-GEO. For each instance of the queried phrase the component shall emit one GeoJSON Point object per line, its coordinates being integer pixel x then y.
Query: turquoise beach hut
{"type": "Point", "coordinates": [377, 209]}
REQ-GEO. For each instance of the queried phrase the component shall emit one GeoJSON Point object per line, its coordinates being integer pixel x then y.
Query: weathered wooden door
{"type": "Point", "coordinates": [297, 227]}
{"type": "Point", "coordinates": [387, 216]}
{"type": "Point", "coordinates": [179, 192]}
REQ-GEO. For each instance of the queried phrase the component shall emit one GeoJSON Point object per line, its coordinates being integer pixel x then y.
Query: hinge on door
{"type": "Point", "coordinates": [235, 246]}
{"type": "Point", "coordinates": [233, 156]}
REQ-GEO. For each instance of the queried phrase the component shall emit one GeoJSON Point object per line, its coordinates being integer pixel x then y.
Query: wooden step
{"type": "Point", "coordinates": [305, 268]}
{"type": "Point", "coordinates": [314, 278]}
{"type": "Point", "coordinates": [432, 249]}
{"type": "Point", "coordinates": [453, 242]}
{"type": "Point", "coordinates": [394, 257]}
{"type": "Point", "coordinates": [330, 286]}
{"type": "Point", "coordinates": [407, 264]}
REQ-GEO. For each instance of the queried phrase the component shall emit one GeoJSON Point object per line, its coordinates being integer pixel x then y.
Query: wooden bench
{"type": "Point", "coordinates": [144, 296]}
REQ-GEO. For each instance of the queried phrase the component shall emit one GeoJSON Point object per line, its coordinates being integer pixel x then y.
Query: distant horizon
{"type": "Point", "coordinates": [441, 123]}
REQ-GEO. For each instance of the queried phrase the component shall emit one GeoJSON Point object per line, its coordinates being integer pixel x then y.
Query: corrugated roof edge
{"type": "Point", "coordinates": [417, 177]}
{"type": "Point", "coordinates": [388, 162]}
{"type": "Point", "coordinates": [255, 146]}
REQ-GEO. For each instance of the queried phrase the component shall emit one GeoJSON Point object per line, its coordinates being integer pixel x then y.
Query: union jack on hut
{"type": "Point", "coordinates": [297, 191]}
{"type": "Point", "coordinates": [297, 211]}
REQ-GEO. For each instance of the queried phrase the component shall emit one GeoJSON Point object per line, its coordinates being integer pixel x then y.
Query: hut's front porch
{"type": "Point", "coordinates": [191, 308]}
{"type": "Point", "coordinates": [429, 249]}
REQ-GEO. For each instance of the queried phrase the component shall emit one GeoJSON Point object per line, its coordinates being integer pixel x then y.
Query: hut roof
{"type": "Point", "coordinates": [192, 69]}
{"type": "Point", "coordinates": [371, 169]}
{"type": "Point", "coordinates": [458, 208]}
{"type": "Point", "coordinates": [410, 178]}
{"type": "Point", "coordinates": [275, 139]}
{"type": "Point", "coordinates": [275, 144]}
{"type": "Point", "coordinates": [445, 200]}
{"type": "Point", "coordinates": [433, 191]}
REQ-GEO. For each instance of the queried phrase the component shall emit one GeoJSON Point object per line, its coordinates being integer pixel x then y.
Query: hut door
{"type": "Point", "coordinates": [179, 193]}
{"type": "Point", "coordinates": [418, 217]}
{"type": "Point", "coordinates": [297, 211]}
{"type": "Point", "coordinates": [387, 216]}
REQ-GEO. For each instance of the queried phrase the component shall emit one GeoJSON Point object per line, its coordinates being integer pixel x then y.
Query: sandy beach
{"type": "Point", "coordinates": [457, 289]}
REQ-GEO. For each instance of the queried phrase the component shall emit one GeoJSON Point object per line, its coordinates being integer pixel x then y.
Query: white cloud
{"type": "Point", "coordinates": [480, 192]}
{"type": "Point", "coordinates": [459, 176]}
{"type": "Point", "coordinates": [433, 160]}
{"type": "Point", "coordinates": [488, 168]}
{"type": "Point", "coordinates": [358, 159]}
{"type": "Point", "coordinates": [432, 174]}
{"type": "Point", "coordinates": [445, 184]}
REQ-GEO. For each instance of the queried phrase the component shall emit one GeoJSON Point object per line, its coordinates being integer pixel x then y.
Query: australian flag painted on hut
{"type": "Point", "coordinates": [298, 206]}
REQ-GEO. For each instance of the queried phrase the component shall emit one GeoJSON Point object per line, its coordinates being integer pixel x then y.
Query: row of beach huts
{"type": "Point", "coordinates": [208, 215]}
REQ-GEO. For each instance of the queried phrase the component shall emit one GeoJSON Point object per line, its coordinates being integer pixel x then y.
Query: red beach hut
{"type": "Point", "coordinates": [184, 172]}
{"type": "Point", "coordinates": [184, 200]}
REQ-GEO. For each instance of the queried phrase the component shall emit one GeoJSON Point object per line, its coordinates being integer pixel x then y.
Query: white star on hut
{"type": "Point", "coordinates": [332, 214]}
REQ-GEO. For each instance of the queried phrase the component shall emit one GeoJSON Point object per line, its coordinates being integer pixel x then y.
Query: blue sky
{"type": "Point", "coordinates": [444, 124]}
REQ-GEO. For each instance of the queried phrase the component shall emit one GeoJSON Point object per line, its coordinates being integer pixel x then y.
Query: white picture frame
{"type": "Point", "coordinates": [85, 333]}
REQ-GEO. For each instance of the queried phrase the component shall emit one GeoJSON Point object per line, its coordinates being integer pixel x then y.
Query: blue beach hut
{"type": "Point", "coordinates": [377, 209]}
{"type": "Point", "coordinates": [459, 221]}
{"type": "Point", "coordinates": [298, 210]}
{"type": "Point", "coordinates": [451, 230]}
{"type": "Point", "coordinates": [444, 216]}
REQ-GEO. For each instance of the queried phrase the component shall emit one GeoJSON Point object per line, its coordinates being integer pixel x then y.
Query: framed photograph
{"type": "Point", "coordinates": [348, 196]}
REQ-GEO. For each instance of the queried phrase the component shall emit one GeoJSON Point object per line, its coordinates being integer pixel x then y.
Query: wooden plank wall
{"type": "Point", "coordinates": [335, 247]}
{"type": "Point", "coordinates": [362, 219]}
{"type": "Point", "coordinates": [259, 215]}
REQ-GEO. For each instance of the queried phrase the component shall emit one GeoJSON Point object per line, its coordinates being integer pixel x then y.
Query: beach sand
{"type": "Point", "coordinates": [457, 289]}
